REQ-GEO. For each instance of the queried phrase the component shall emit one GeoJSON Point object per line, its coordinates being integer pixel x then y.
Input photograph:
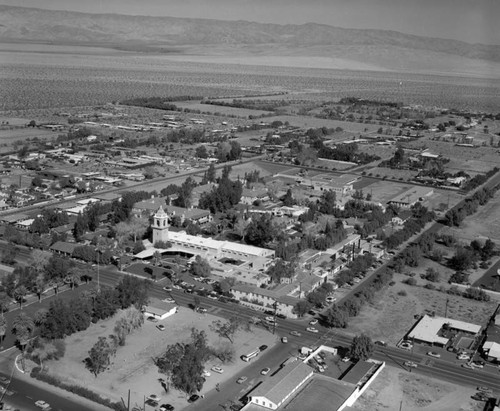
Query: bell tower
{"type": "Point", "coordinates": [160, 226]}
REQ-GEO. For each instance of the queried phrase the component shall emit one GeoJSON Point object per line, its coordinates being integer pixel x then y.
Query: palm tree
{"type": "Point", "coordinates": [41, 285]}
{"type": "Point", "coordinates": [22, 328]}
{"type": "Point", "coordinates": [3, 328]}
{"type": "Point", "coordinates": [40, 316]}
{"type": "Point", "coordinates": [44, 351]}
{"type": "Point", "coordinates": [19, 294]}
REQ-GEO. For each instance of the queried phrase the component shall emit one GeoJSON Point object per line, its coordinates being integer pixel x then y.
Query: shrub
{"type": "Point", "coordinates": [411, 281]}
{"type": "Point", "coordinates": [402, 293]}
{"type": "Point", "coordinates": [430, 286]}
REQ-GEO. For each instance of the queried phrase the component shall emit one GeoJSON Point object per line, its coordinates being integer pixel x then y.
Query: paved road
{"type": "Point", "coordinates": [22, 395]}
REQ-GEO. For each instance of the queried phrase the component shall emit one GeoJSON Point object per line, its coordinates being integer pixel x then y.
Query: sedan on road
{"type": "Point", "coordinates": [265, 371]}
{"type": "Point", "coordinates": [241, 380]}
{"type": "Point", "coordinates": [434, 354]}
{"type": "Point", "coordinates": [263, 347]}
{"type": "Point", "coordinates": [295, 333]}
{"type": "Point", "coordinates": [42, 404]}
{"type": "Point", "coordinates": [467, 365]}
{"type": "Point", "coordinates": [410, 364]}
{"type": "Point", "coordinates": [312, 330]}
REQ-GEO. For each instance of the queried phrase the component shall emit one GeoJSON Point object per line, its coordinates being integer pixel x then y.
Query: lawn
{"type": "Point", "coordinates": [133, 367]}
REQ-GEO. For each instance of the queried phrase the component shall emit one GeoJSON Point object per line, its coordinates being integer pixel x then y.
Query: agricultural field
{"type": "Point", "coordinates": [471, 160]}
{"type": "Point", "coordinates": [312, 122]}
{"type": "Point", "coordinates": [221, 111]}
{"type": "Point", "coordinates": [36, 80]}
{"type": "Point", "coordinates": [7, 137]}
{"type": "Point", "coordinates": [401, 175]}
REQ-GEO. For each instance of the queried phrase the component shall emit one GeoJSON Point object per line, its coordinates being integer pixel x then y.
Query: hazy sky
{"type": "Point", "coordinates": [474, 21]}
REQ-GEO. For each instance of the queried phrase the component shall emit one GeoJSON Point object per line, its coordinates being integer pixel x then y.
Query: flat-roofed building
{"type": "Point", "coordinates": [275, 390]}
{"type": "Point", "coordinates": [429, 330]}
{"type": "Point", "coordinates": [411, 196]}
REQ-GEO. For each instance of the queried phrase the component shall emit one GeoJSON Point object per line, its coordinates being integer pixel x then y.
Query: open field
{"type": "Point", "coordinates": [470, 160]}
{"type": "Point", "coordinates": [133, 369]}
{"type": "Point", "coordinates": [402, 175]}
{"type": "Point", "coordinates": [395, 389]}
{"type": "Point", "coordinates": [391, 316]}
{"type": "Point", "coordinates": [485, 223]}
{"type": "Point", "coordinates": [383, 191]}
{"type": "Point", "coordinates": [33, 79]}
{"type": "Point", "coordinates": [312, 122]}
{"type": "Point", "coordinates": [220, 110]}
{"type": "Point", "coordinates": [21, 134]}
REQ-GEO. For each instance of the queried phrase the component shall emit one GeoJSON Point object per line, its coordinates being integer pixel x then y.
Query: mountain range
{"type": "Point", "coordinates": [381, 48]}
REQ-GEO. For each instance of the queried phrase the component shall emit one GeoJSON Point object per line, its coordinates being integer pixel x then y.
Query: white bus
{"type": "Point", "coordinates": [251, 355]}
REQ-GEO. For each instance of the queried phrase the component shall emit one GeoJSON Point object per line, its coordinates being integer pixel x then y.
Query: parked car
{"type": "Point", "coordinates": [284, 340]}
{"type": "Point", "coordinates": [265, 371]}
{"type": "Point", "coordinates": [263, 347]}
{"type": "Point", "coordinates": [168, 289]}
{"type": "Point", "coordinates": [467, 365]}
{"type": "Point", "coordinates": [161, 327]}
{"type": "Point", "coordinates": [42, 404]}
{"type": "Point", "coordinates": [483, 388]}
{"type": "Point", "coordinates": [410, 364]}
{"type": "Point", "coordinates": [167, 407]}
{"type": "Point", "coordinates": [381, 343]}
{"type": "Point", "coordinates": [202, 310]}
{"type": "Point", "coordinates": [314, 321]}
{"type": "Point", "coordinates": [177, 287]}
{"type": "Point", "coordinates": [434, 354]}
{"type": "Point", "coordinates": [295, 333]}
{"type": "Point", "coordinates": [480, 396]}
{"type": "Point", "coordinates": [241, 380]}
{"type": "Point", "coordinates": [218, 370]}
{"type": "Point", "coordinates": [152, 319]}
{"type": "Point", "coordinates": [405, 345]}
{"type": "Point", "coordinates": [193, 398]}
{"type": "Point", "coordinates": [346, 359]}
{"type": "Point", "coordinates": [463, 357]}
{"type": "Point", "coordinates": [169, 300]}
{"type": "Point", "coordinates": [154, 398]}
{"type": "Point", "coordinates": [478, 364]}
{"type": "Point", "coordinates": [312, 330]}
{"type": "Point", "coordinates": [206, 373]}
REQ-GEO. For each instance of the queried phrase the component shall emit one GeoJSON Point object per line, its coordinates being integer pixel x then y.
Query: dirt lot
{"type": "Point", "coordinates": [132, 368]}
{"type": "Point", "coordinates": [395, 389]}
{"type": "Point", "coordinates": [391, 316]}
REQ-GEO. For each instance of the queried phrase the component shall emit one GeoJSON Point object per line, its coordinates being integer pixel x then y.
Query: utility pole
{"type": "Point", "coordinates": [446, 309]}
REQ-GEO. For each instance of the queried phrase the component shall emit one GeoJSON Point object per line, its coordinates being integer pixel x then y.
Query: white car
{"type": "Point", "coordinates": [463, 357]}
{"type": "Point", "coordinates": [411, 364]}
{"type": "Point", "coordinates": [265, 371]}
{"type": "Point", "coordinates": [206, 373]}
{"type": "Point", "coordinates": [313, 322]}
{"type": "Point", "coordinates": [169, 300]}
{"type": "Point", "coordinates": [434, 354]}
{"type": "Point", "coordinates": [218, 370]}
{"type": "Point", "coordinates": [42, 404]}
{"type": "Point", "coordinates": [346, 359]}
{"type": "Point", "coordinates": [312, 330]}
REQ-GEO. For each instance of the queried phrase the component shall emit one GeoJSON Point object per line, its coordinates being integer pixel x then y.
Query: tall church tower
{"type": "Point", "coordinates": [160, 226]}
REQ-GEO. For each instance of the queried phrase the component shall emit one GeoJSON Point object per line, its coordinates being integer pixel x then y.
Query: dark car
{"type": "Point", "coordinates": [381, 343]}
{"type": "Point", "coordinates": [263, 347]}
{"type": "Point", "coordinates": [167, 407]}
{"type": "Point", "coordinates": [193, 398]}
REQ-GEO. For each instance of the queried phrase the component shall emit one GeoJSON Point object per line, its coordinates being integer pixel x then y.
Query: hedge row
{"type": "Point", "coordinates": [75, 389]}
